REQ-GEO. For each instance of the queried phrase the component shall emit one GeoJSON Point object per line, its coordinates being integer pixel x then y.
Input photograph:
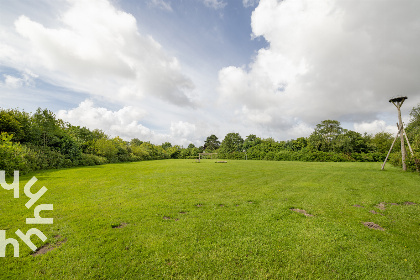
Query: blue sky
{"type": "Point", "coordinates": [179, 71]}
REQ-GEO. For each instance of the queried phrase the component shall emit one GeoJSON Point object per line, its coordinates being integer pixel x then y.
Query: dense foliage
{"type": "Point", "coordinates": [41, 141]}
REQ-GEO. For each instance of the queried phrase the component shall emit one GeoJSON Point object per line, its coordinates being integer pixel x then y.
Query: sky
{"type": "Point", "coordinates": [180, 71]}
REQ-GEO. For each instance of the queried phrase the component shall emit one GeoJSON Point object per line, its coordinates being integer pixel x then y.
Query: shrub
{"type": "Point", "coordinates": [13, 156]}
{"type": "Point", "coordinates": [89, 159]}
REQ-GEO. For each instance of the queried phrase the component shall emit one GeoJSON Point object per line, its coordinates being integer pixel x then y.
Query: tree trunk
{"type": "Point", "coordinates": [403, 151]}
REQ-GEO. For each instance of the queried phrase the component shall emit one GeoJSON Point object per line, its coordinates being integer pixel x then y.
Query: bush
{"type": "Point", "coordinates": [89, 159]}
{"type": "Point", "coordinates": [45, 158]}
{"type": "Point", "coordinates": [413, 162]}
{"type": "Point", "coordinates": [13, 156]}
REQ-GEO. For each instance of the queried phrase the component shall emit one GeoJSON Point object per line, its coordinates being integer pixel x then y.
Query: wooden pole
{"type": "Point", "coordinates": [398, 104]}
{"type": "Point", "coordinates": [392, 146]}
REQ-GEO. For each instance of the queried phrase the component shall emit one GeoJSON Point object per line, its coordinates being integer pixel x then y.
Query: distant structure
{"type": "Point", "coordinates": [205, 154]}
{"type": "Point", "coordinates": [398, 102]}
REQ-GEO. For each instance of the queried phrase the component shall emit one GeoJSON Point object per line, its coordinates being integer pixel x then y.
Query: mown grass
{"type": "Point", "coordinates": [185, 220]}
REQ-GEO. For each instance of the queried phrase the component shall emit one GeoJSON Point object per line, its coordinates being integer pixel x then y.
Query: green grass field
{"type": "Point", "coordinates": [185, 220]}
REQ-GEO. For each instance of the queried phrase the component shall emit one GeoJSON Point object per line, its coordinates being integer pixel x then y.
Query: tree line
{"type": "Point", "coordinates": [30, 142]}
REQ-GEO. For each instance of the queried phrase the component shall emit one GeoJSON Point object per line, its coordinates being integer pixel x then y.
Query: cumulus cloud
{"type": "Point", "coordinates": [182, 129]}
{"type": "Point", "coordinates": [326, 60]}
{"type": "Point", "coordinates": [126, 123]}
{"type": "Point", "coordinates": [123, 123]}
{"type": "Point", "coordinates": [375, 127]}
{"type": "Point", "coordinates": [98, 49]}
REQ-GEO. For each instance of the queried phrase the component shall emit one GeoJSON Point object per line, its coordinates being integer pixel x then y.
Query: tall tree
{"type": "Point", "coordinates": [233, 142]}
{"type": "Point", "coordinates": [251, 141]}
{"type": "Point", "coordinates": [135, 142]}
{"type": "Point", "coordinates": [324, 135]}
{"type": "Point", "coordinates": [166, 145]}
{"type": "Point", "coordinates": [17, 123]}
{"type": "Point", "coordinates": [212, 143]}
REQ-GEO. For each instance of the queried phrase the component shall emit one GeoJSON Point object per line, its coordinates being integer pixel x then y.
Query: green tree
{"type": "Point", "coordinates": [233, 142]}
{"type": "Point", "coordinates": [251, 141]}
{"type": "Point", "coordinates": [106, 148]}
{"type": "Point", "coordinates": [135, 142]}
{"type": "Point", "coordinates": [166, 145]}
{"type": "Point", "coordinates": [17, 123]}
{"type": "Point", "coordinates": [349, 142]}
{"type": "Point", "coordinates": [13, 156]}
{"type": "Point", "coordinates": [296, 145]}
{"type": "Point", "coordinates": [382, 142]}
{"type": "Point", "coordinates": [212, 143]}
{"type": "Point", "coordinates": [324, 135]}
{"type": "Point", "coordinates": [413, 128]}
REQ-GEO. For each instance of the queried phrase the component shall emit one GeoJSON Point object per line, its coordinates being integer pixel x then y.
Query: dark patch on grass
{"type": "Point", "coordinates": [302, 212]}
{"type": "Point", "coordinates": [409, 203]}
{"type": "Point", "coordinates": [119, 225]}
{"type": "Point", "coordinates": [383, 204]}
{"type": "Point", "coordinates": [49, 247]}
{"type": "Point", "coordinates": [169, 218]}
{"type": "Point", "coordinates": [182, 212]}
{"type": "Point", "coordinates": [372, 225]}
{"type": "Point", "coordinates": [221, 205]}
{"type": "Point", "coordinates": [357, 205]}
{"type": "Point", "coordinates": [199, 205]}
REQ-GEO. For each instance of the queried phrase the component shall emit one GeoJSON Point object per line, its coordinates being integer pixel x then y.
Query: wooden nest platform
{"type": "Point", "coordinates": [398, 99]}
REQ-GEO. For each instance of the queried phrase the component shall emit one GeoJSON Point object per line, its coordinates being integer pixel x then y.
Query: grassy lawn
{"type": "Point", "coordinates": [185, 220]}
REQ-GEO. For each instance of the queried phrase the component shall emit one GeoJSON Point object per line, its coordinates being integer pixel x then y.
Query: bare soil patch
{"type": "Point", "coordinates": [381, 205]}
{"type": "Point", "coordinates": [373, 226]}
{"type": "Point", "coordinates": [49, 247]}
{"type": "Point", "coordinates": [302, 212]}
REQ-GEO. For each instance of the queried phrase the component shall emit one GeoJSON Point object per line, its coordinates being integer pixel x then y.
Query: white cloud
{"type": "Point", "coordinates": [215, 4]}
{"type": "Point", "coordinates": [182, 129]}
{"type": "Point", "coordinates": [12, 82]}
{"type": "Point", "coordinates": [326, 60]}
{"type": "Point", "coordinates": [161, 5]}
{"type": "Point", "coordinates": [374, 127]}
{"type": "Point", "coordinates": [97, 48]}
{"type": "Point", "coordinates": [123, 123]}
{"type": "Point", "coordinates": [26, 80]}
{"type": "Point", "coordinates": [126, 123]}
{"type": "Point", "coordinates": [249, 3]}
